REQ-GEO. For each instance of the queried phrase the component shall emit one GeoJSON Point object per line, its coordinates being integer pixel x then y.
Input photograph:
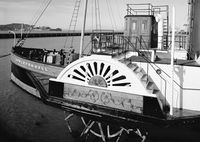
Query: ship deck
{"type": "Point", "coordinates": [163, 60]}
{"type": "Point", "coordinates": [181, 113]}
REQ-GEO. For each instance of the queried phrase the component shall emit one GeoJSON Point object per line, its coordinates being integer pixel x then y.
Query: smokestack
{"type": "Point", "coordinates": [194, 29]}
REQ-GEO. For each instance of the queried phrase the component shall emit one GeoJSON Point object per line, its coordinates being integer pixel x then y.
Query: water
{"type": "Point", "coordinates": [23, 116]}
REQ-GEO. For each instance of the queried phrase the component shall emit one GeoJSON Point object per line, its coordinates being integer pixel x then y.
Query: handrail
{"type": "Point", "coordinates": [125, 43]}
{"type": "Point", "coordinates": [148, 9]}
{"type": "Point", "coordinates": [153, 65]}
{"type": "Point", "coordinates": [147, 60]}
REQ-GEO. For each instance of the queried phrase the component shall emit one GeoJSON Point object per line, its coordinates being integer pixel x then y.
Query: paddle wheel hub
{"type": "Point", "coordinates": [97, 81]}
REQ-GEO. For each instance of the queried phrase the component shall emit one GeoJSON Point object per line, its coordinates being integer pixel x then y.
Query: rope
{"type": "Point", "coordinates": [92, 14]}
{"type": "Point", "coordinates": [37, 19]}
{"type": "Point", "coordinates": [40, 15]}
{"type": "Point", "coordinates": [37, 13]}
{"type": "Point", "coordinates": [112, 19]}
{"type": "Point", "coordinates": [5, 55]}
{"type": "Point", "coordinates": [119, 14]}
{"type": "Point", "coordinates": [97, 15]}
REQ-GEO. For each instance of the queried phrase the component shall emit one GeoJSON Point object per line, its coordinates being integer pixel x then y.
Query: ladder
{"type": "Point", "coordinates": [73, 22]}
{"type": "Point", "coordinates": [165, 33]}
{"type": "Point", "coordinates": [164, 11]}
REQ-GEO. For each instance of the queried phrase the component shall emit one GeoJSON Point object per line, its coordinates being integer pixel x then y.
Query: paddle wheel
{"type": "Point", "coordinates": [120, 92]}
{"type": "Point", "coordinates": [101, 74]}
{"type": "Point", "coordinates": [97, 88]}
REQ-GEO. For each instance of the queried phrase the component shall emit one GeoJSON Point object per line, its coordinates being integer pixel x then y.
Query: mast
{"type": "Point", "coordinates": [172, 62]}
{"type": "Point", "coordinates": [83, 29]}
{"type": "Point", "coordinates": [195, 29]}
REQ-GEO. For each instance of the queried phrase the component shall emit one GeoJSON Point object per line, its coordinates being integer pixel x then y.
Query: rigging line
{"type": "Point", "coordinates": [92, 14]}
{"type": "Point", "coordinates": [41, 14]}
{"type": "Point", "coordinates": [37, 12]}
{"type": "Point", "coordinates": [5, 55]}
{"type": "Point", "coordinates": [109, 13]}
{"type": "Point", "coordinates": [119, 15]}
{"type": "Point", "coordinates": [96, 14]}
{"type": "Point", "coordinates": [21, 41]}
{"type": "Point", "coordinates": [38, 18]}
{"type": "Point", "coordinates": [112, 14]}
{"type": "Point", "coordinates": [99, 16]}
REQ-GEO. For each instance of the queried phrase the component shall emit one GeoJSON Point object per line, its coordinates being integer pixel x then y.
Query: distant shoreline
{"type": "Point", "coordinates": [35, 34]}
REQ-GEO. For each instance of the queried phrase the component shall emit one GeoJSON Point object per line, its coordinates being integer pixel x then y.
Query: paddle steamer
{"type": "Point", "coordinates": [133, 82]}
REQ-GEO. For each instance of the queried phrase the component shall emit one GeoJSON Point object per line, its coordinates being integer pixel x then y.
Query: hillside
{"type": "Point", "coordinates": [14, 27]}
{"type": "Point", "coordinates": [26, 27]}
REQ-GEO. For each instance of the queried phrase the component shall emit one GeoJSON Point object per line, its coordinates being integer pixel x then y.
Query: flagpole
{"type": "Point", "coordinates": [172, 61]}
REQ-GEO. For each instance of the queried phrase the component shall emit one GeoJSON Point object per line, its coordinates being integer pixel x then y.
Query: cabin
{"type": "Point", "coordinates": [147, 26]}
{"type": "Point", "coordinates": [142, 29]}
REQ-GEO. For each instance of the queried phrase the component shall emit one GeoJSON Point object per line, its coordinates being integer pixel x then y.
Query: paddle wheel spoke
{"type": "Point", "coordinates": [87, 128]}
{"type": "Point", "coordinates": [142, 136]}
{"type": "Point", "coordinates": [67, 122]}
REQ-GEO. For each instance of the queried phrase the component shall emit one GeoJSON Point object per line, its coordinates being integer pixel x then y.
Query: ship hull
{"type": "Point", "coordinates": [27, 74]}
{"type": "Point", "coordinates": [19, 77]}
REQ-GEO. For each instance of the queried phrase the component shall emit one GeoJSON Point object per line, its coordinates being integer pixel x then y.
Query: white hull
{"type": "Point", "coordinates": [186, 86]}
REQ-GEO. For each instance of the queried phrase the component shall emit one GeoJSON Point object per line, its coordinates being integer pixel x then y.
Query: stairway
{"type": "Point", "coordinates": [149, 84]}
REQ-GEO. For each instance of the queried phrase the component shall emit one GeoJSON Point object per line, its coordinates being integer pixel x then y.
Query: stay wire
{"type": "Point", "coordinates": [37, 19]}
{"type": "Point", "coordinates": [96, 19]}
{"type": "Point", "coordinates": [99, 16]}
{"type": "Point", "coordinates": [109, 11]}
{"type": "Point", "coordinates": [119, 14]}
{"type": "Point", "coordinates": [5, 55]}
{"type": "Point", "coordinates": [34, 18]}
{"type": "Point", "coordinates": [31, 22]}
{"type": "Point", "coordinates": [92, 5]}
{"type": "Point", "coordinates": [40, 15]}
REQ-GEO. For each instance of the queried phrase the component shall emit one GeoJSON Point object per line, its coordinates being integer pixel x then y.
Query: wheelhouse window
{"type": "Point", "coordinates": [134, 24]}
{"type": "Point", "coordinates": [144, 26]}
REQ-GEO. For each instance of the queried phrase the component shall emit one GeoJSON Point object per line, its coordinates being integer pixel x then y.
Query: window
{"type": "Point", "coordinates": [144, 25]}
{"type": "Point", "coordinates": [134, 25]}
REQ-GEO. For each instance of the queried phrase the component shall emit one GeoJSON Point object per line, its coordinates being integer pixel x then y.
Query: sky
{"type": "Point", "coordinates": [59, 12]}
